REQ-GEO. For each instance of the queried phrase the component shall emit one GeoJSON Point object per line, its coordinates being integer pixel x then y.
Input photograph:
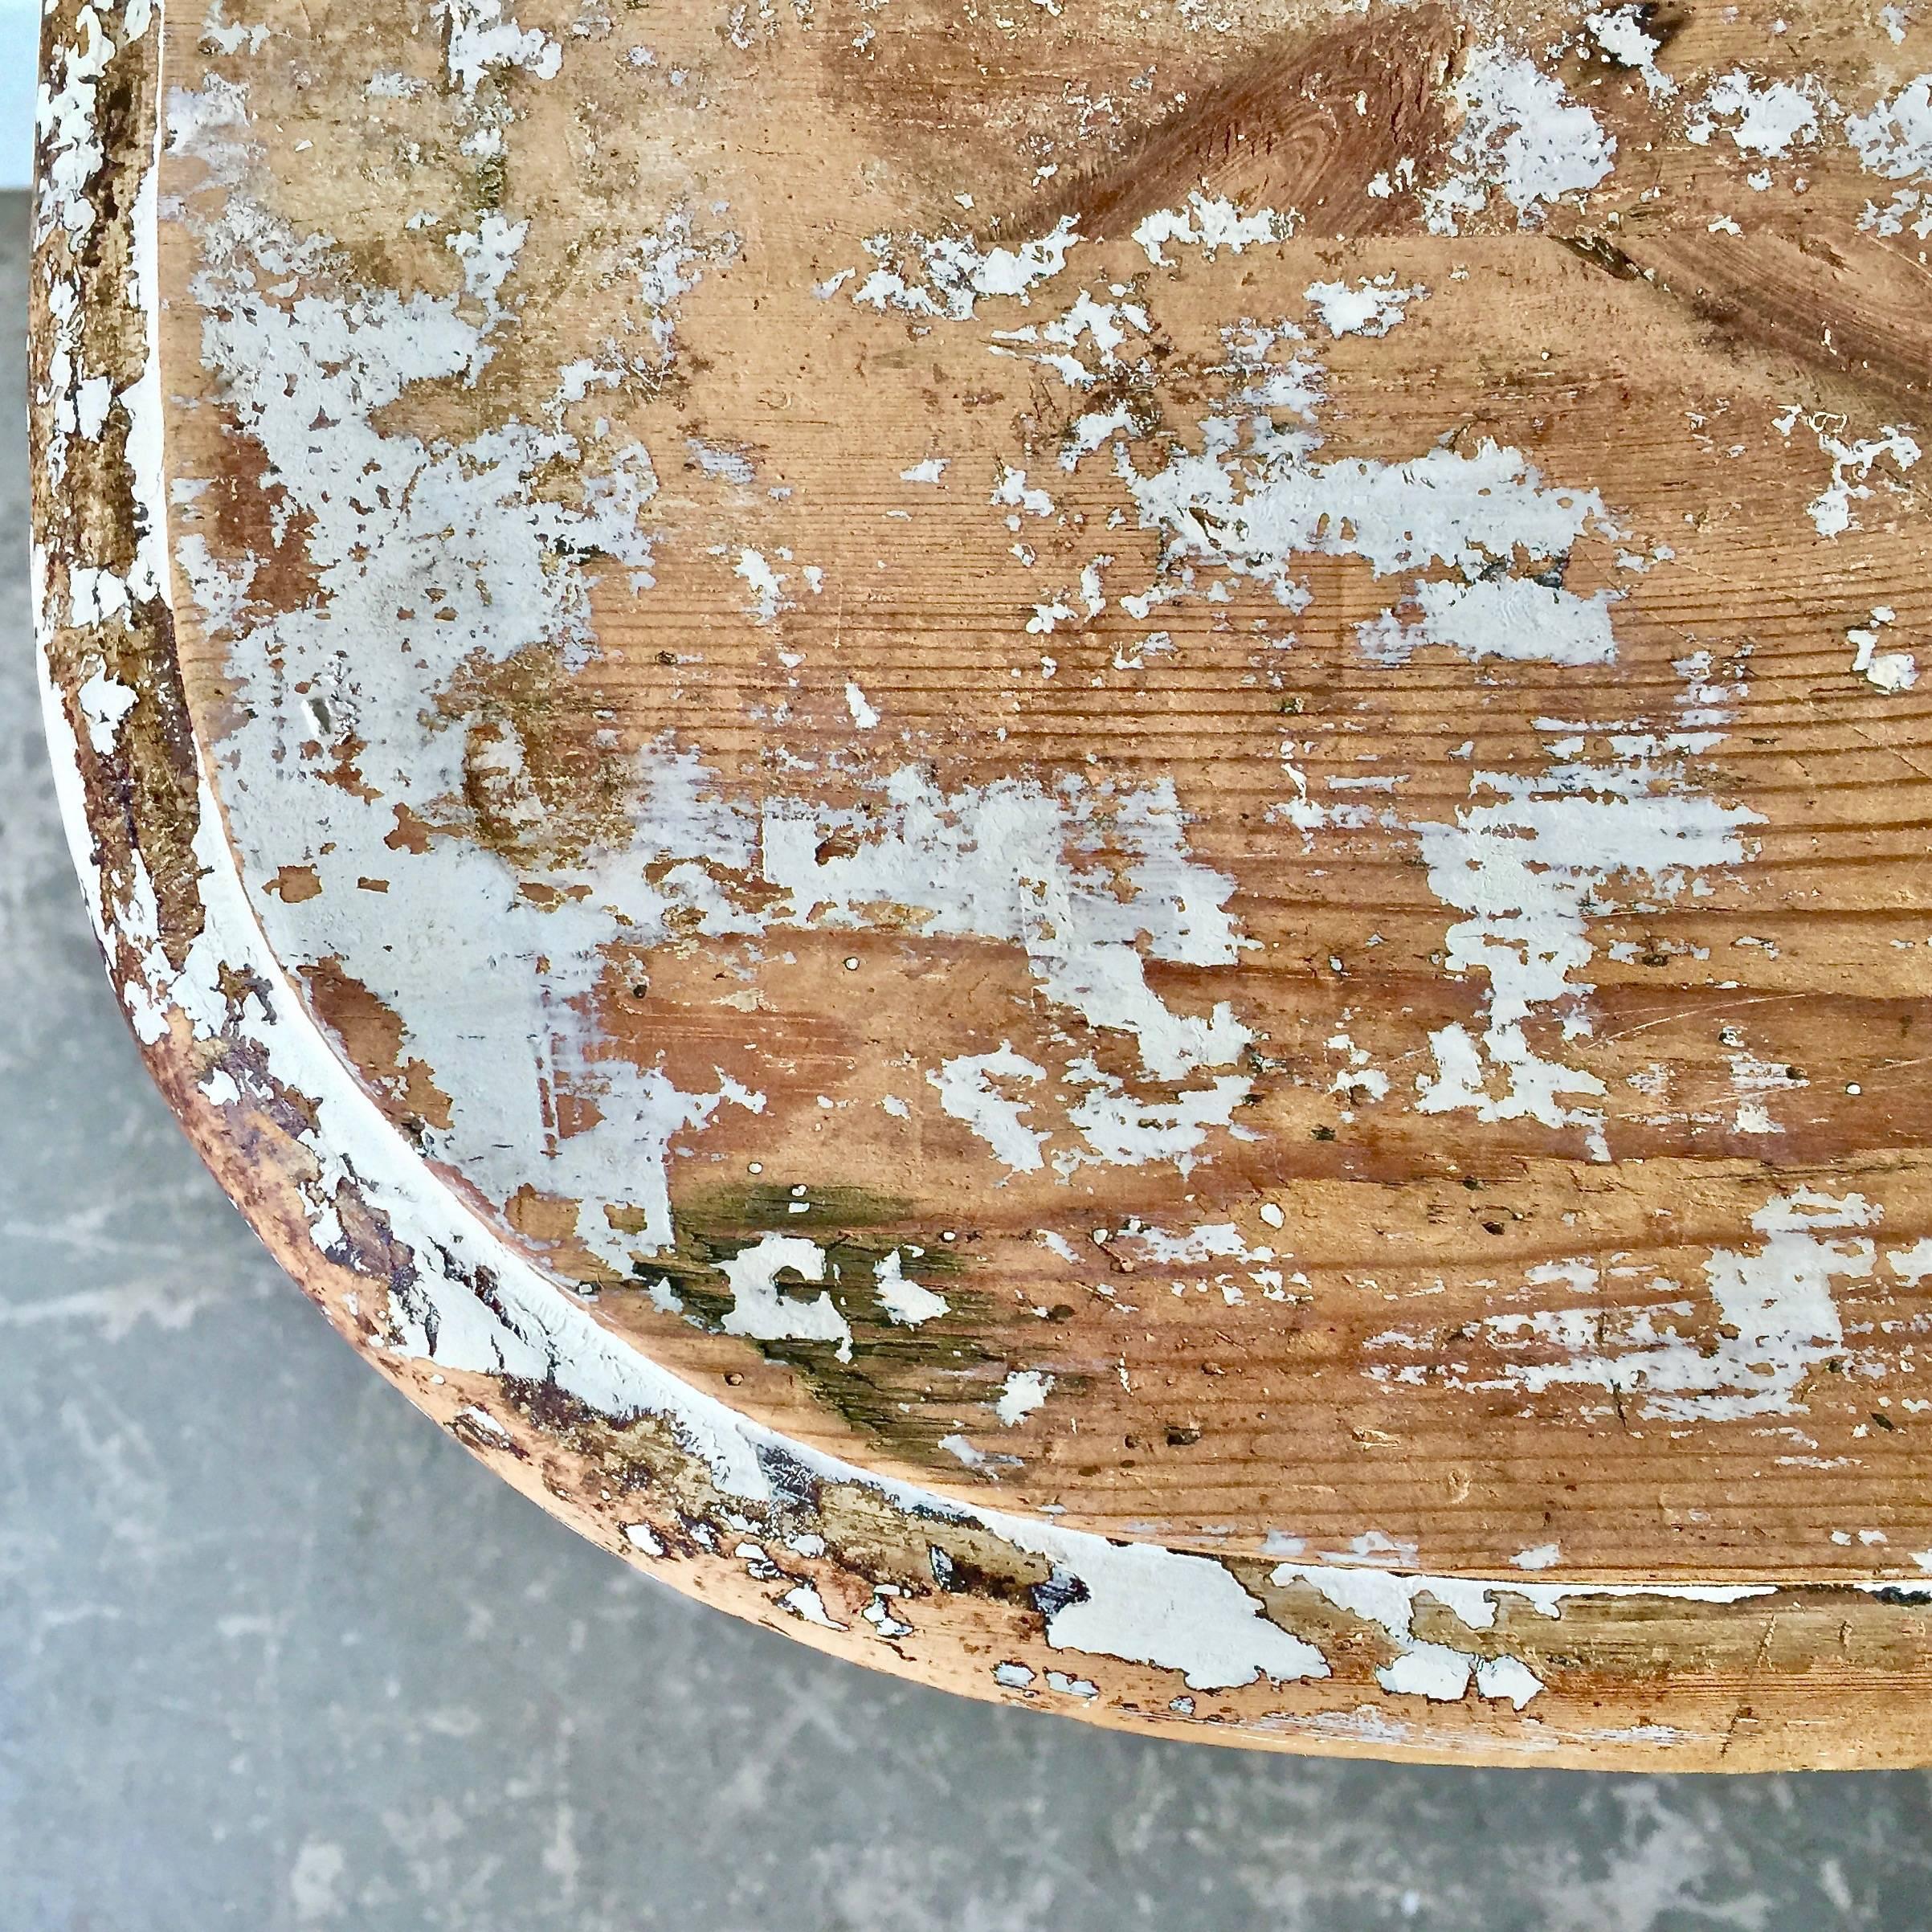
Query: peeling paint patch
{"type": "Point", "coordinates": [905, 1302]}
{"type": "Point", "coordinates": [1187, 1613]}
{"type": "Point", "coordinates": [947, 276]}
{"type": "Point", "coordinates": [1776, 1318]}
{"type": "Point", "coordinates": [1526, 869]}
{"type": "Point", "coordinates": [1521, 136]}
{"type": "Point", "coordinates": [760, 1309]}
{"type": "Point", "coordinates": [1211, 223]}
{"type": "Point", "coordinates": [1620, 32]}
{"type": "Point", "coordinates": [483, 36]}
{"type": "Point", "coordinates": [1023, 1391]}
{"type": "Point", "coordinates": [966, 1091]}
{"type": "Point", "coordinates": [1764, 118]}
{"type": "Point", "coordinates": [1370, 306]}
{"type": "Point", "coordinates": [1420, 1668]}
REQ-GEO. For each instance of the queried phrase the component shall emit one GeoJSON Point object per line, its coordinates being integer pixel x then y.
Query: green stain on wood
{"type": "Point", "coordinates": [906, 1386]}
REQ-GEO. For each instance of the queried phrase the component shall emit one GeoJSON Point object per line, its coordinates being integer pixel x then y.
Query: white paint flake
{"type": "Point", "coordinates": [481, 37]}
{"type": "Point", "coordinates": [104, 701]}
{"type": "Point", "coordinates": [1619, 31]}
{"type": "Point", "coordinates": [1507, 1678]}
{"type": "Point", "coordinates": [1421, 1667]}
{"type": "Point", "coordinates": [767, 585]}
{"type": "Point", "coordinates": [760, 1310]}
{"type": "Point", "coordinates": [1753, 1081]}
{"type": "Point", "coordinates": [1887, 671]}
{"type": "Point", "coordinates": [1147, 1605]}
{"type": "Point", "coordinates": [907, 1303]}
{"type": "Point", "coordinates": [1527, 869]}
{"type": "Point", "coordinates": [1518, 618]}
{"type": "Point", "coordinates": [1764, 118]}
{"type": "Point", "coordinates": [1254, 510]}
{"type": "Point", "coordinates": [966, 1091]}
{"type": "Point", "coordinates": [665, 262]}
{"type": "Point", "coordinates": [1831, 513]}
{"type": "Point", "coordinates": [1770, 1309]}
{"type": "Point", "coordinates": [1522, 135]}
{"type": "Point", "coordinates": [1013, 491]}
{"type": "Point", "coordinates": [1209, 223]}
{"type": "Point", "coordinates": [728, 465]}
{"type": "Point", "coordinates": [1894, 140]}
{"type": "Point", "coordinates": [467, 1301]}
{"type": "Point", "coordinates": [946, 276]}
{"type": "Point", "coordinates": [1023, 1391]}
{"type": "Point", "coordinates": [993, 862]}
{"type": "Point", "coordinates": [1369, 307]}
{"type": "Point", "coordinates": [805, 1602]}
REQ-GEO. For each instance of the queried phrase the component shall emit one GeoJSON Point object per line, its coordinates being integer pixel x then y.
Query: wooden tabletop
{"type": "Point", "coordinates": [1085, 845]}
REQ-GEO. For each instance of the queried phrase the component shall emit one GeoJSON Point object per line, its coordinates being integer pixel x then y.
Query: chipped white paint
{"type": "Point", "coordinates": [1211, 223]}
{"type": "Point", "coordinates": [1023, 1391]}
{"type": "Point", "coordinates": [1619, 31]}
{"type": "Point", "coordinates": [966, 1091]}
{"type": "Point", "coordinates": [906, 1302]}
{"type": "Point", "coordinates": [1253, 511]}
{"type": "Point", "coordinates": [950, 275]}
{"type": "Point", "coordinates": [1761, 118]}
{"type": "Point", "coordinates": [1372, 306]}
{"type": "Point", "coordinates": [1894, 139]}
{"type": "Point", "coordinates": [104, 702]}
{"type": "Point", "coordinates": [481, 36]}
{"type": "Point", "coordinates": [1421, 1667]}
{"type": "Point", "coordinates": [1852, 464]}
{"type": "Point", "coordinates": [1753, 1081]}
{"type": "Point", "coordinates": [992, 863]}
{"type": "Point", "coordinates": [1526, 868]}
{"type": "Point", "coordinates": [1771, 1307]}
{"type": "Point", "coordinates": [804, 1602]}
{"type": "Point", "coordinates": [767, 585]}
{"type": "Point", "coordinates": [1138, 1602]}
{"type": "Point", "coordinates": [1522, 136]}
{"type": "Point", "coordinates": [1514, 618]}
{"type": "Point", "coordinates": [1887, 670]}
{"type": "Point", "coordinates": [985, 860]}
{"type": "Point", "coordinates": [761, 1310]}
{"type": "Point", "coordinates": [1072, 1686]}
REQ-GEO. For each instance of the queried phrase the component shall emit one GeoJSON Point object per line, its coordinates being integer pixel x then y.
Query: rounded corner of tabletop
{"type": "Point", "coordinates": [1087, 846]}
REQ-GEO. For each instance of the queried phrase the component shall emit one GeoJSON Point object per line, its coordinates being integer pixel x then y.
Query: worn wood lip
{"type": "Point", "coordinates": [392, 1254]}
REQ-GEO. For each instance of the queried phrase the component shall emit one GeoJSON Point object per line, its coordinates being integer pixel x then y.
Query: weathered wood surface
{"type": "Point", "coordinates": [907, 786]}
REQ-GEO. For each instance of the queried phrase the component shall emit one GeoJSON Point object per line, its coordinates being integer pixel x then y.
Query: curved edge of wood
{"type": "Point", "coordinates": [1348, 1660]}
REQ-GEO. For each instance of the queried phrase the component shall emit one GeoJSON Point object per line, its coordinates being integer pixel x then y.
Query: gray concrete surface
{"type": "Point", "coordinates": [270, 1655]}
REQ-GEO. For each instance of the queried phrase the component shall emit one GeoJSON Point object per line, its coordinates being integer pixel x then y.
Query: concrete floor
{"type": "Point", "coordinates": [262, 1663]}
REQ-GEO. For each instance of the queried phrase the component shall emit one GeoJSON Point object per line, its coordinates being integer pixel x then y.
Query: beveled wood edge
{"type": "Point", "coordinates": [1335, 1659]}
